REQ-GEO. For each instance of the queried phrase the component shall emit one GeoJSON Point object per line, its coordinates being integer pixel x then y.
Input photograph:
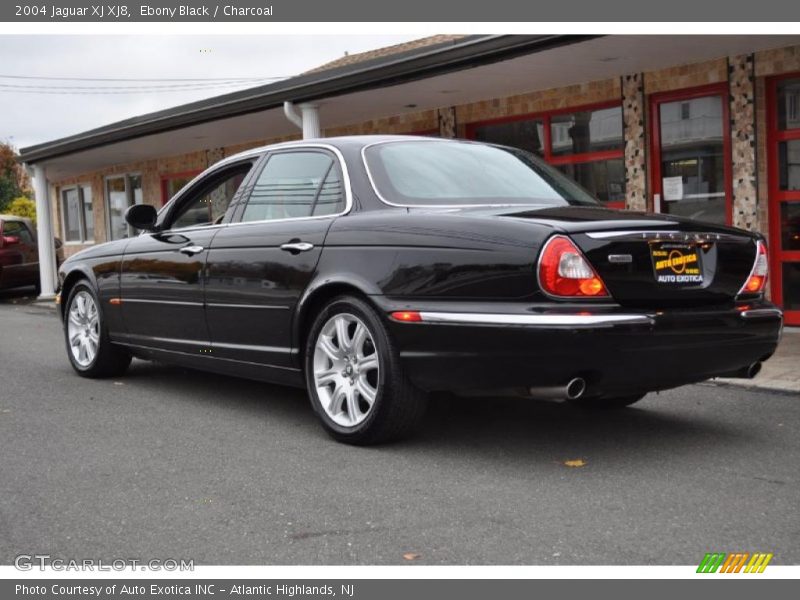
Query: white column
{"type": "Point", "coordinates": [44, 233]}
{"type": "Point", "coordinates": [310, 114]}
{"type": "Point", "coordinates": [307, 120]}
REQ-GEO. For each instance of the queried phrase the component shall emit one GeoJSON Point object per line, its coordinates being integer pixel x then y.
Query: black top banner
{"type": "Point", "coordinates": [408, 11]}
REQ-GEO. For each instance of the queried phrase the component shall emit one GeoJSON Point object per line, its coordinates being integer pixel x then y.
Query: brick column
{"type": "Point", "coordinates": [633, 111]}
{"type": "Point", "coordinates": [214, 155]}
{"type": "Point", "coordinates": [741, 79]}
{"type": "Point", "coordinates": [447, 122]}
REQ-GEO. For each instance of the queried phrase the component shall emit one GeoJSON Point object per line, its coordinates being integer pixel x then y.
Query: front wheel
{"type": "Point", "coordinates": [89, 348]}
{"type": "Point", "coordinates": [606, 403]}
{"type": "Point", "coordinates": [355, 380]}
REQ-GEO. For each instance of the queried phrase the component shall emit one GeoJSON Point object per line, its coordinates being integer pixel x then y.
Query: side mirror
{"type": "Point", "coordinates": [141, 216]}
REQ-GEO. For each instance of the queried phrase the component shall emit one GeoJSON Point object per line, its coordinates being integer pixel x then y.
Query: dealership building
{"type": "Point", "coordinates": [706, 127]}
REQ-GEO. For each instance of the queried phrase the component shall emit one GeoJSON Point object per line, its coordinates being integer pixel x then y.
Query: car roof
{"type": "Point", "coordinates": [27, 221]}
{"type": "Point", "coordinates": [340, 142]}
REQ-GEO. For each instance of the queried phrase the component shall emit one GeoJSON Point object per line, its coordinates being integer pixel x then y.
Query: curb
{"type": "Point", "coordinates": [789, 388]}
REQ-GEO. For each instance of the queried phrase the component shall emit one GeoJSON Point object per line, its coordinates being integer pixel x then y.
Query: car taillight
{"type": "Point", "coordinates": [564, 271]}
{"type": "Point", "coordinates": [757, 280]}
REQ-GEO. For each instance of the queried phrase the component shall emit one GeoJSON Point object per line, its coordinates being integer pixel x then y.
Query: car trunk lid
{"type": "Point", "coordinates": [648, 260]}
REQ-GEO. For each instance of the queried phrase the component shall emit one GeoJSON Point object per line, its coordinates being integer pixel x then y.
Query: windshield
{"type": "Point", "coordinates": [447, 173]}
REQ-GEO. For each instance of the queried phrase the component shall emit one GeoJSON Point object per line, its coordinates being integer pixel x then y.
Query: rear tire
{"type": "Point", "coordinates": [606, 403]}
{"type": "Point", "coordinates": [89, 348]}
{"type": "Point", "coordinates": [355, 380]}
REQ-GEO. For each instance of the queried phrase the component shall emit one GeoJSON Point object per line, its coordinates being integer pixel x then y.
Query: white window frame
{"type": "Point", "coordinates": [129, 196]}
{"type": "Point", "coordinates": [79, 187]}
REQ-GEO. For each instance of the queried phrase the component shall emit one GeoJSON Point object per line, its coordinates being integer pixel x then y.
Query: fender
{"type": "Point", "coordinates": [323, 287]}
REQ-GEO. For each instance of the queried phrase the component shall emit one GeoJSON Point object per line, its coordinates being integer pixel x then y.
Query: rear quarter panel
{"type": "Point", "coordinates": [433, 255]}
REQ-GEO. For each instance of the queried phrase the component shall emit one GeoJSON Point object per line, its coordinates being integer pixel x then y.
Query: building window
{"type": "Point", "coordinates": [584, 143]}
{"type": "Point", "coordinates": [174, 182]}
{"type": "Point", "coordinates": [690, 154]}
{"type": "Point", "coordinates": [122, 192]}
{"type": "Point", "coordinates": [527, 134]}
{"type": "Point", "coordinates": [788, 92]}
{"type": "Point", "coordinates": [77, 216]}
{"type": "Point", "coordinates": [586, 131]}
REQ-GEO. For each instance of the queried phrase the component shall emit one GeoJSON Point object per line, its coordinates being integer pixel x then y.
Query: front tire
{"type": "Point", "coordinates": [89, 348]}
{"type": "Point", "coordinates": [355, 379]}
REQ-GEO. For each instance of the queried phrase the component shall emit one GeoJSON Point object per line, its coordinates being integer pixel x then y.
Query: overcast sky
{"type": "Point", "coordinates": [30, 113]}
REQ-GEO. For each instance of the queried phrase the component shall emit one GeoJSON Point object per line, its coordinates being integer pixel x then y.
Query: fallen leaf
{"type": "Point", "coordinates": [411, 556]}
{"type": "Point", "coordinates": [575, 462]}
{"type": "Point", "coordinates": [119, 383]}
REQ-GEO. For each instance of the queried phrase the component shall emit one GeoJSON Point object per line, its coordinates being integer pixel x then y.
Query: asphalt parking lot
{"type": "Point", "coordinates": [170, 463]}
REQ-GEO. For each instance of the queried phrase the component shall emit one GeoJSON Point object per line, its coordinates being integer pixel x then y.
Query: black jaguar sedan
{"type": "Point", "coordinates": [374, 270]}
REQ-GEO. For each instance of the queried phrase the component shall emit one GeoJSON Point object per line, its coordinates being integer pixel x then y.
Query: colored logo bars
{"type": "Point", "coordinates": [735, 562]}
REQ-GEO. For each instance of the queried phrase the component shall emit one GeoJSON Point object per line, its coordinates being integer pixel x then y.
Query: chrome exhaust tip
{"type": "Point", "coordinates": [747, 372]}
{"type": "Point", "coordinates": [572, 390]}
{"type": "Point", "coordinates": [575, 388]}
{"type": "Point", "coordinates": [753, 370]}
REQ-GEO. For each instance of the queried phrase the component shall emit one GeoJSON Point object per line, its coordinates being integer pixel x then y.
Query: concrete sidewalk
{"type": "Point", "coordinates": [781, 372]}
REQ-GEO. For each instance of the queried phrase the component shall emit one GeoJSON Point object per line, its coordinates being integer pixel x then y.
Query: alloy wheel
{"type": "Point", "coordinates": [83, 329]}
{"type": "Point", "coordinates": [346, 369]}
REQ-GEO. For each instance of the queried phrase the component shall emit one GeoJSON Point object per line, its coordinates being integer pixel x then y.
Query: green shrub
{"type": "Point", "coordinates": [22, 207]}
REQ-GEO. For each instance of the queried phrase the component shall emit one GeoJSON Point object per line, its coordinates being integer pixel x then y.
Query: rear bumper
{"type": "Point", "coordinates": [616, 351]}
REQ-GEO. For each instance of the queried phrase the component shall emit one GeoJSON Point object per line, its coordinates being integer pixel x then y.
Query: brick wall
{"type": "Point", "coordinates": [540, 101]}
{"type": "Point", "coordinates": [426, 120]}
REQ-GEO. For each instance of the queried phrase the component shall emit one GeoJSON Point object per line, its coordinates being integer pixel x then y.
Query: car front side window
{"type": "Point", "coordinates": [208, 201]}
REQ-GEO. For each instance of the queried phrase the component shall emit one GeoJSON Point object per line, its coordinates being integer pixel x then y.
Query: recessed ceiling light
{"type": "Point", "coordinates": [608, 59]}
{"type": "Point", "coordinates": [410, 106]}
{"type": "Point", "coordinates": [449, 91]}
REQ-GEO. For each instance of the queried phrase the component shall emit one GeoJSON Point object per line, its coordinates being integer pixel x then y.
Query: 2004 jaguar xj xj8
{"type": "Point", "coordinates": [372, 270]}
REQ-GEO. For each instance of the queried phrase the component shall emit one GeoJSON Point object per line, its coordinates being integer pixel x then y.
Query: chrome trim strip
{"type": "Point", "coordinates": [348, 191]}
{"type": "Point", "coordinates": [762, 313]}
{"type": "Point", "coordinates": [230, 305]}
{"type": "Point", "coordinates": [666, 235]}
{"type": "Point", "coordinates": [171, 302]}
{"type": "Point", "coordinates": [542, 320]}
{"type": "Point", "coordinates": [123, 342]}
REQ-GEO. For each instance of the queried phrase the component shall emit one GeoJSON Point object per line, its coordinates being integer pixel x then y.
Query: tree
{"type": "Point", "coordinates": [22, 207]}
{"type": "Point", "coordinates": [13, 179]}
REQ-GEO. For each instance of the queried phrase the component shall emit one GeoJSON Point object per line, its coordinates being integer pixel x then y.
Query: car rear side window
{"type": "Point", "coordinates": [296, 184]}
{"type": "Point", "coordinates": [448, 173]}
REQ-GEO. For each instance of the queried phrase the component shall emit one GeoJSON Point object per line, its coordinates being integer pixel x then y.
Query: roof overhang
{"type": "Point", "coordinates": [470, 69]}
{"type": "Point", "coordinates": [425, 62]}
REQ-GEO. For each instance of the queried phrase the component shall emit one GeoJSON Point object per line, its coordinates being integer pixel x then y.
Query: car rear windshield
{"type": "Point", "coordinates": [448, 173]}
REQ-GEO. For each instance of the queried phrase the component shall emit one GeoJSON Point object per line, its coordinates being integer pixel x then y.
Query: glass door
{"type": "Point", "coordinates": [691, 153]}
{"type": "Point", "coordinates": [783, 138]}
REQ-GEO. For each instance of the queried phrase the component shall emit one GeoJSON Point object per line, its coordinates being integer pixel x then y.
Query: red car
{"type": "Point", "coordinates": [19, 253]}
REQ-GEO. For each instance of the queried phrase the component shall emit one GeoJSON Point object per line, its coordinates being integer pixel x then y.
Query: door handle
{"type": "Point", "coordinates": [191, 250]}
{"type": "Point", "coordinates": [295, 247]}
